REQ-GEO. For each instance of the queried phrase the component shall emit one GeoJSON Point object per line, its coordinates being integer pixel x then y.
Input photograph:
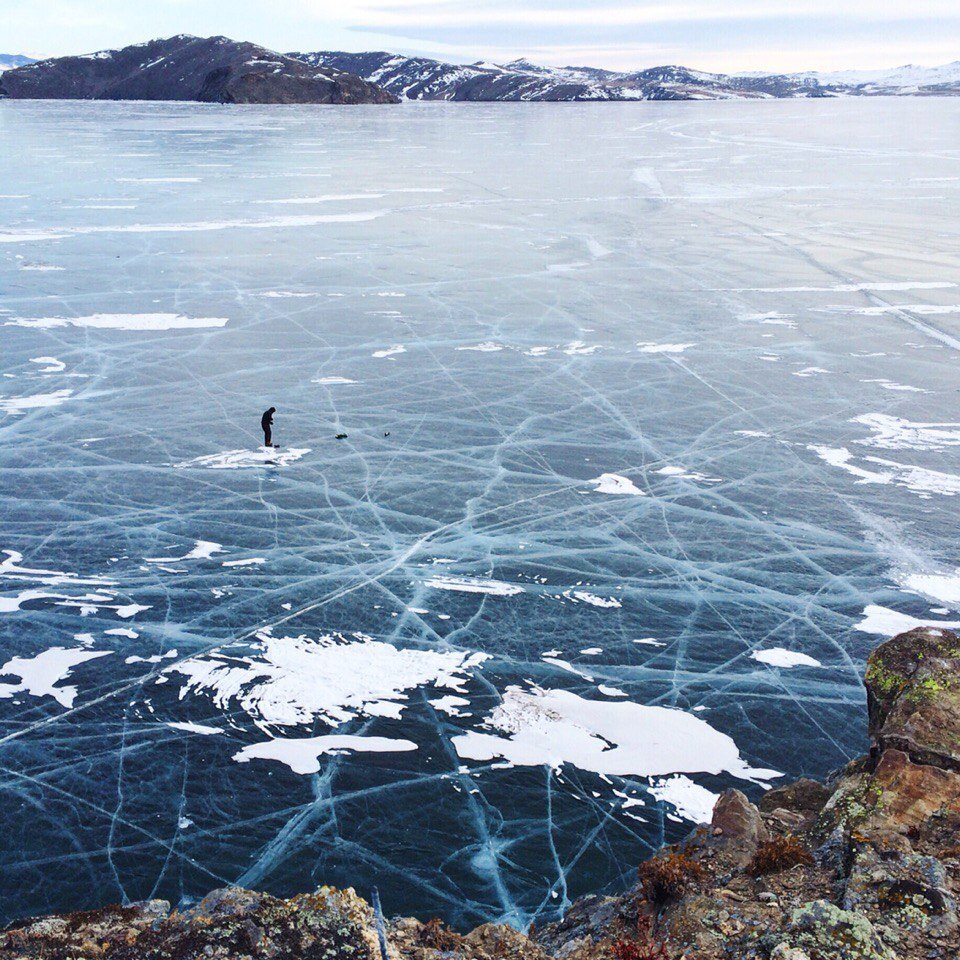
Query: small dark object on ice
{"type": "Point", "coordinates": [341, 436]}
{"type": "Point", "coordinates": [387, 434]}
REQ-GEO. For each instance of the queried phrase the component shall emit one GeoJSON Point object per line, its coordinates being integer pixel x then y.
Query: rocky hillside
{"type": "Point", "coordinates": [209, 70]}
{"type": "Point", "coordinates": [419, 78]}
{"type": "Point", "coordinates": [865, 867]}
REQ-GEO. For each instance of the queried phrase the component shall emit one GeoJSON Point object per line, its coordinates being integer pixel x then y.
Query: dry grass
{"type": "Point", "coordinates": [669, 877]}
{"type": "Point", "coordinates": [641, 947]}
{"type": "Point", "coordinates": [777, 855]}
{"type": "Point", "coordinates": [436, 935]}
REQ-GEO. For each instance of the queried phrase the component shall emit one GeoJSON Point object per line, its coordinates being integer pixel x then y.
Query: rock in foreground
{"type": "Point", "coordinates": [211, 70]}
{"type": "Point", "coordinates": [866, 867]}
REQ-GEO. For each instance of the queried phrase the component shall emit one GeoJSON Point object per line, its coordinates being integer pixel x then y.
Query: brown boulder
{"type": "Point", "coordinates": [802, 796]}
{"type": "Point", "coordinates": [906, 795]}
{"type": "Point", "coordinates": [736, 824]}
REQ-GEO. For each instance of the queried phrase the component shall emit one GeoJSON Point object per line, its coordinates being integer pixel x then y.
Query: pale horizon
{"type": "Point", "coordinates": [749, 36]}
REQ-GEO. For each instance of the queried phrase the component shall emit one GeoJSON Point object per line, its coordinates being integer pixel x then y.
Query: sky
{"type": "Point", "coordinates": [719, 35]}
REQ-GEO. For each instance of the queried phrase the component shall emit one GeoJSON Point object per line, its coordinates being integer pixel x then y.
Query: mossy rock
{"type": "Point", "coordinates": [913, 696]}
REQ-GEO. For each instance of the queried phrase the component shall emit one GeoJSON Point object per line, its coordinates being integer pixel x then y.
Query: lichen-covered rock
{"type": "Point", "coordinates": [89, 934]}
{"type": "Point", "coordinates": [228, 924]}
{"type": "Point", "coordinates": [785, 952]}
{"type": "Point", "coordinates": [898, 797]}
{"type": "Point", "coordinates": [584, 931]}
{"type": "Point", "coordinates": [234, 923]}
{"type": "Point", "coordinates": [913, 696]}
{"type": "Point", "coordinates": [909, 891]}
{"type": "Point", "coordinates": [824, 931]}
{"type": "Point", "coordinates": [497, 941]}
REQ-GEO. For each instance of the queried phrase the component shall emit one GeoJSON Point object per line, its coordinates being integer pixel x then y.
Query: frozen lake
{"type": "Point", "coordinates": [653, 431]}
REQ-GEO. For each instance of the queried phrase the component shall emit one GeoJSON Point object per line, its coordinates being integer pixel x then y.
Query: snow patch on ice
{"type": "Point", "coordinates": [41, 675]}
{"type": "Point", "coordinates": [493, 588]}
{"type": "Point", "coordinates": [646, 347]}
{"type": "Point", "coordinates": [857, 287]}
{"type": "Point", "coordinates": [202, 550]}
{"type": "Point", "coordinates": [885, 622]}
{"type": "Point", "coordinates": [303, 756]}
{"type": "Point", "coordinates": [781, 657]}
{"type": "Point", "coordinates": [16, 406]}
{"type": "Point", "coordinates": [202, 226]}
{"type": "Point", "coordinates": [239, 459]}
{"type": "Point", "coordinates": [944, 587]}
{"type": "Point", "coordinates": [552, 727]}
{"type": "Point", "coordinates": [187, 727]}
{"type": "Point", "coordinates": [53, 365]}
{"type": "Point", "coordinates": [581, 596]}
{"type": "Point", "coordinates": [122, 321]}
{"type": "Point", "coordinates": [689, 799]}
{"type": "Point", "coordinates": [920, 480]}
{"type": "Point", "coordinates": [684, 474]}
{"type": "Point", "coordinates": [897, 433]}
{"type": "Point", "coordinates": [450, 705]}
{"type": "Point", "coordinates": [390, 351]}
{"type": "Point", "coordinates": [578, 348]}
{"type": "Point", "coordinates": [614, 483]}
{"type": "Point", "coordinates": [288, 681]}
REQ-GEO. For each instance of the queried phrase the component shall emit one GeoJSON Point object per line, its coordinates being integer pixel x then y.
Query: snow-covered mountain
{"type": "Point", "coordinates": [10, 61]}
{"type": "Point", "coordinates": [420, 78]}
{"type": "Point", "coordinates": [905, 80]}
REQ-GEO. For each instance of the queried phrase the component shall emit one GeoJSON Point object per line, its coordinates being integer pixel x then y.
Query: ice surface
{"type": "Point", "coordinates": [517, 340]}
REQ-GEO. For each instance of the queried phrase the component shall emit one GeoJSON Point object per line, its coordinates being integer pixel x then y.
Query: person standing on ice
{"type": "Point", "coordinates": [266, 421]}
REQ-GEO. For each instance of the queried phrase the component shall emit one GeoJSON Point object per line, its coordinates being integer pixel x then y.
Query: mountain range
{"type": "Point", "coordinates": [419, 78]}
{"type": "Point", "coordinates": [220, 70]}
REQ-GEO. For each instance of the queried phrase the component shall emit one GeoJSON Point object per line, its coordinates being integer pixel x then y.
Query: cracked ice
{"type": "Point", "coordinates": [636, 471]}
